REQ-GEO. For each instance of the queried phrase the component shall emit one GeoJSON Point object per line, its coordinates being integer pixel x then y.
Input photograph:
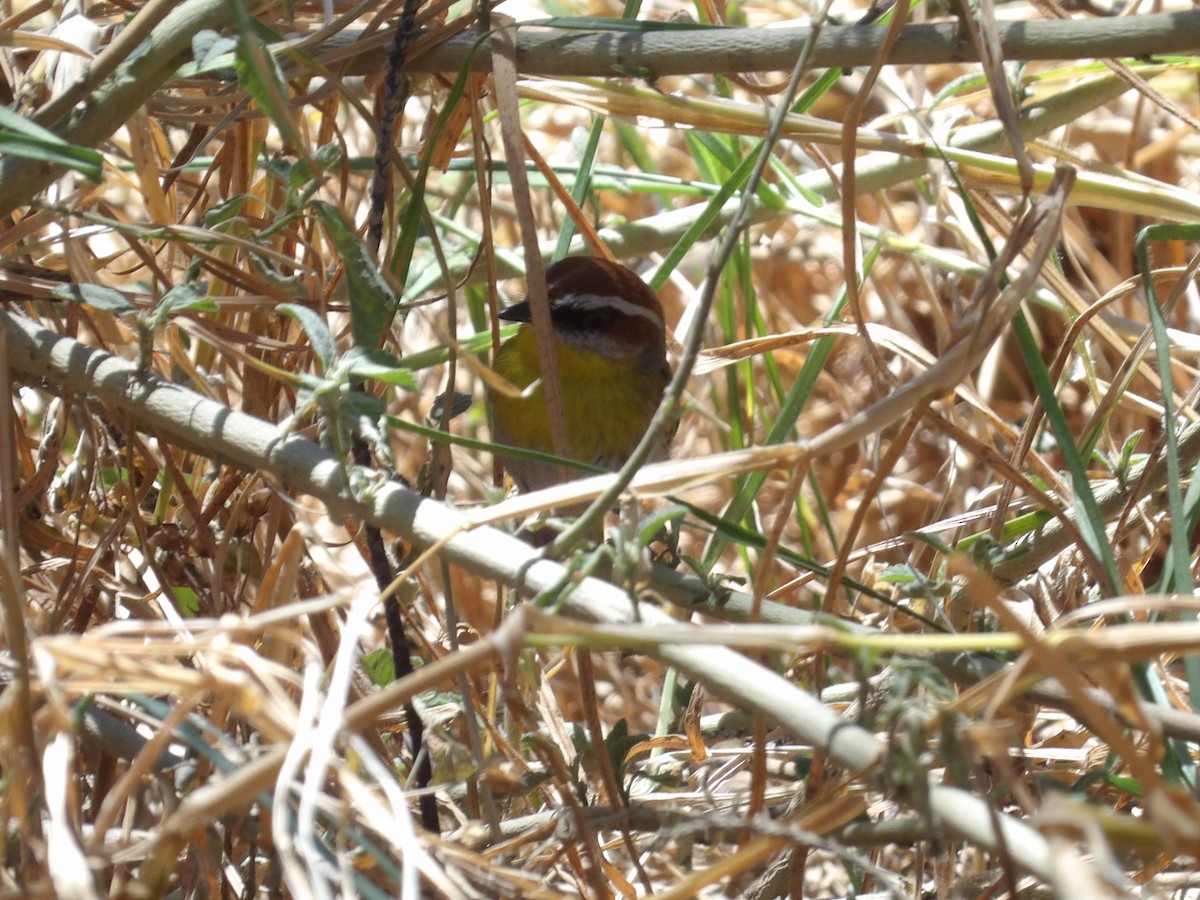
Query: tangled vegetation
{"type": "Point", "coordinates": [910, 609]}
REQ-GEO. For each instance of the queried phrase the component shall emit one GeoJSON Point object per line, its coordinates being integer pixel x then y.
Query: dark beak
{"type": "Point", "coordinates": [518, 312]}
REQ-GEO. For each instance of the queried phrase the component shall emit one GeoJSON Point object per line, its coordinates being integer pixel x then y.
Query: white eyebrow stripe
{"type": "Point", "coordinates": [612, 301]}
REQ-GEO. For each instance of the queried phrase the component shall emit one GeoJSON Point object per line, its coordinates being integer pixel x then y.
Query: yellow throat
{"type": "Point", "coordinates": [607, 404]}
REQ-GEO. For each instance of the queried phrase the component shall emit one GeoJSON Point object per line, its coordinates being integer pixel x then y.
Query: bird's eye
{"type": "Point", "coordinates": [595, 321]}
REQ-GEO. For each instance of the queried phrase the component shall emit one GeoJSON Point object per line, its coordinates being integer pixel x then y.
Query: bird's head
{"type": "Point", "coordinates": [602, 307]}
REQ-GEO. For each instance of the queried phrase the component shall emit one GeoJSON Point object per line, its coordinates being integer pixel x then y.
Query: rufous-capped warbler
{"type": "Point", "coordinates": [610, 346]}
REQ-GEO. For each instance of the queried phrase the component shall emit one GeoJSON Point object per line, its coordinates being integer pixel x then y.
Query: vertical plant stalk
{"type": "Point", "coordinates": [394, 96]}
{"type": "Point", "coordinates": [25, 775]}
{"type": "Point", "coordinates": [504, 78]}
{"type": "Point", "coordinates": [393, 106]}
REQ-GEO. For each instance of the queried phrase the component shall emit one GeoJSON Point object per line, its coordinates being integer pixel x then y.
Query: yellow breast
{"type": "Point", "coordinates": [607, 405]}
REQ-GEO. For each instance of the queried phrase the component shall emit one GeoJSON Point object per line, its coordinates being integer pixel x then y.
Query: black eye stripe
{"type": "Point", "coordinates": [577, 307]}
{"type": "Point", "coordinates": [583, 317]}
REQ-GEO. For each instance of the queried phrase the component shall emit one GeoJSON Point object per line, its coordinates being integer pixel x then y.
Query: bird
{"type": "Point", "coordinates": [611, 351]}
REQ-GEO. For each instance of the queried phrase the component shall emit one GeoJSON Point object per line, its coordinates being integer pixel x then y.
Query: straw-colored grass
{"type": "Point", "coordinates": [922, 617]}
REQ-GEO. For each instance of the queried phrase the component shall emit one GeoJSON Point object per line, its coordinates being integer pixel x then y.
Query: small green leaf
{"type": "Point", "coordinates": [319, 336]}
{"type": "Point", "coordinates": [1127, 459]}
{"type": "Point", "coordinates": [22, 137]}
{"type": "Point", "coordinates": [618, 744]}
{"type": "Point", "coordinates": [225, 211]}
{"type": "Point", "coordinates": [360, 404]}
{"type": "Point", "coordinates": [372, 299]}
{"type": "Point", "coordinates": [1130, 786]}
{"type": "Point", "coordinates": [259, 73]}
{"type": "Point", "coordinates": [653, 526]}
{"type": "Point", "coordinates": [963, 84]}
{"type": "Point", "coordinates": [95, 296]}
{"type": "Point", "coordinates": [305, 171]}
{"type": "Point", "coordinates": [901, 573]}
{"type": "Point", "coordinates": [190, 295]}
{"type": "Point", "coordinates": [328, 156]}
{"type": "Point", "coordinates": [280, 168]}
{"type": "Point", "coordinates": [377, 365]}
{"type": "Point", "coordinates": [186, 601]}
{"type": "Point", "coordinates": [208, 46]}
{"type": "Point", "coordinates": [378, 666]}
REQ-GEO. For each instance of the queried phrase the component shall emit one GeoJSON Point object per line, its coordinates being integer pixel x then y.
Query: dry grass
{"type": "Point", "coordinates": [941, 559]}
